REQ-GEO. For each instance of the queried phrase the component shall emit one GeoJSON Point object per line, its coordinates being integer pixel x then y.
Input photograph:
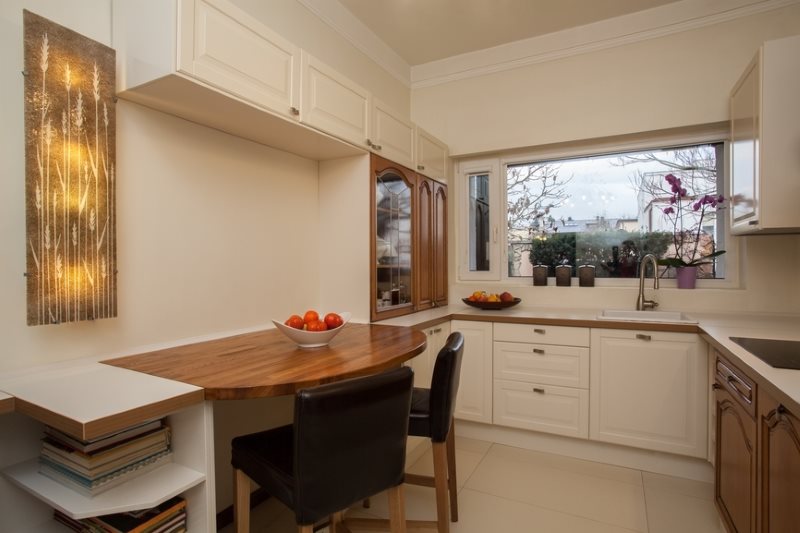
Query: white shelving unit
{"type": "Point", "coordinates": [88, 399]}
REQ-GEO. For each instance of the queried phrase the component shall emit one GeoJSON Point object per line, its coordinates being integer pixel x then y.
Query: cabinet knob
{"type": "Point", "coordinates": [642, 336]}
{"type": "Point", "coordinates": [294, 111]}
{"type": "Point", "coordinates": [420, 167]}
{"type": "Point", "coordinates": [753, 223]}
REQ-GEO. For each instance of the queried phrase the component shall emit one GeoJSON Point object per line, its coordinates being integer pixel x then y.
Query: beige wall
{"type": "Point", "coordinates": [672, 81]}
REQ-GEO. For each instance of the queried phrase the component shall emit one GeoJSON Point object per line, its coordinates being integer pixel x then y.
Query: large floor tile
{"type": "Point", "coordinates": [466, 462]}
{"type": "Point", "coordinates": [535, 482]}
{"type": "Point", "coordinates": [670, 512]}
{"type": "Point", "coordinates": [687, 487]}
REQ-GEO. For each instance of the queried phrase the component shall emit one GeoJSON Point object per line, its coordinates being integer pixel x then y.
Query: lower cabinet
{"type": "Point", "coordinates": [779, 464]}
{"type": "Point", "coordinates": [648, 390]}
{"type": "Point", "coordinates": [422, 365]}
{"type": "Point", "coordinates": [542, 385]}
{"type": "Point", "coordinates": [735, 458]}
{"type": "Point", "coordinates": [474, 399]}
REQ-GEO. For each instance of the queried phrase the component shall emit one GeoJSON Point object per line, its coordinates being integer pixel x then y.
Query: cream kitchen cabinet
{"type": "Point", "coordinates": [474, 400]}
{"type": "Point", "coordinates": [422, 365]}
{"type": "Point", "coordinates": [542, 385]}
{"type": "Point", "coordinates": [214, 64]}
{"type": "Point", "coordinates": [648, 390]}
{"type": "Point", "coordinates": [431, 156]}
{"type": "Point", "coordinates": [391, 135]}
{"type": "Point", "coordinates": [765, 134]}
{"type": "Point", "coordinates": [334, 103]}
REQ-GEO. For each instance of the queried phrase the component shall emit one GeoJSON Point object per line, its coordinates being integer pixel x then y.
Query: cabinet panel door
{"type": "Point", "coordinates": [431, 156]}
{"type": "Point", "coordinates": [333, 103]}
{"type": "Point", "coordinates": [425, 253]}
{"type": "Point", "coordinates": [559, 410]}
{"type": "Point", "coordinates": [744, 150]}
{"type": "Point", "coordinates": [392, 136]}
{"type": "Point", "coordinates": [440, 289]}
{"type": "Point", "coordinates": [780, 467]}
{"type": "Point", "coordinates": [649, 390]}
{"type": "Point", "coordinates": [735, 465]}
{"type": "Point", "coordinates": [474, 400]}
{"type": "Point", "coordinates": [240, 55]}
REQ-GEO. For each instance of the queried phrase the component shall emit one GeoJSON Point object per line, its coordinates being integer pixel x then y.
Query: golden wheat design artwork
{"type": "Point", "coordinates": [69, 174]}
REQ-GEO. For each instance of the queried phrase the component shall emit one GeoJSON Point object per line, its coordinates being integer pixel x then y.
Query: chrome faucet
{"type": "Point", "coordinates": [641, 303]}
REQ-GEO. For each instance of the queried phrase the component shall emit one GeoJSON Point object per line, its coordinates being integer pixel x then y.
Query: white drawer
{"type": "Point", "coordinates": [567, 366]}
{"type": "Point", "coordinates": [565, 335]}
{"type": "Point", "coordinates": [559, 410]}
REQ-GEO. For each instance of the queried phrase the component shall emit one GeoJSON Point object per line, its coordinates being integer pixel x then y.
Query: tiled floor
{"type": "Point", "coordinates": [504, 490]}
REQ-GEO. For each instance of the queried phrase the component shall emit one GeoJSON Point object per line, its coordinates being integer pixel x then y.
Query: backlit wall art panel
{"type": "Point", "coordinates": [70, 176]}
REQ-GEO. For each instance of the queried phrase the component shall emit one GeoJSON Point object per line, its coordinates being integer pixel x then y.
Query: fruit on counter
{"type": "Point", "coordinates": [483, 296]}
{"type": "Point", "coordinates": [311, 321]}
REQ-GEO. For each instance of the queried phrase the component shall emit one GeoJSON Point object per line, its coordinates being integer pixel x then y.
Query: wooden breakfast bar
{"type": "Point", "coordinates": [266, 363]}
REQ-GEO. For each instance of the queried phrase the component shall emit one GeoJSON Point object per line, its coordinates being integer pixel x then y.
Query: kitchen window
{"type": "Point", "coordinates": [606, 210]}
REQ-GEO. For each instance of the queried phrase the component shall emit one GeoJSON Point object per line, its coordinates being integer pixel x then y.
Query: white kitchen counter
{"type": "Point", "coordinates": [716, 328]}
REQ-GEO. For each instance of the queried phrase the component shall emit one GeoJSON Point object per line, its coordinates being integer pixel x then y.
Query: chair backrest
{"type": "Point", "coordinates": [444, 386]}
{"type": "Point", "coordinates": [350, 441]}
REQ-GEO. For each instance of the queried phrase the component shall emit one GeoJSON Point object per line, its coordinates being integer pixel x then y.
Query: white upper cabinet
{"type": "Point", "coordinates": [233, 51]}
{"type": "Point", "coordinates": [392, 136]}
{"type": "Point", "coordinates": [431, 156]}
{"type": "Point", "coordinates": [334, 103]}
{"type": "Point", "coordinates": [211, 63]}
{"type": "Point", "coordinates": [765, 135]}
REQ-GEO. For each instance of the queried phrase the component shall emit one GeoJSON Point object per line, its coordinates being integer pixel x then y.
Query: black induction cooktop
{"type": "Point", "coordinates": [776, 353]}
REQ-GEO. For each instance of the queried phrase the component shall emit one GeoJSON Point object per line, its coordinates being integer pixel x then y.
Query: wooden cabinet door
{"type": "Point", "coordinates": [474, 400]}
{"type": "Point", "coordinates": [440, 289]}
{"type": "Point", "coordinates": [392, 245]}
{"type": "Point", "coordinates": [735, 464]}
{"type": "Point", "coordinates": [425, 243]}
{"type": "Point", "coordinates": [779, 510]}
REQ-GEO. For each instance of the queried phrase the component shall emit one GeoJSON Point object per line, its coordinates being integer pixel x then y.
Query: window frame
{"type": "Point", "coordinates": [497, 168]}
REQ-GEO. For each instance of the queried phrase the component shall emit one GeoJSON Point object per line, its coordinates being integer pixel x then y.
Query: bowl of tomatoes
{"type": "Point", "coordinates": [312, 330]}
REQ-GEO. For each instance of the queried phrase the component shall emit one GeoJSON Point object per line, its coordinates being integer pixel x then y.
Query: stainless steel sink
{"type": "Point", "coordinates": [669, 317]}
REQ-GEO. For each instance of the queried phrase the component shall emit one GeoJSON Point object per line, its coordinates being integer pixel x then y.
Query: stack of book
{"type": "Point", "coordinates": [169, 517]}
{"type": "Point", "coordinates": [92, 467]}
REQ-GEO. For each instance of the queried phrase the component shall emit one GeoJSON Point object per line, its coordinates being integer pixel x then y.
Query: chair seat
{"type": "Point", "coordinates": [419, 422]}
{"type": "Point", "coordinates": [274, 471]}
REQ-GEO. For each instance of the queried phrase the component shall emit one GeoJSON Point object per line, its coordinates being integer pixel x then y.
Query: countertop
{"type": "Point", "coordinates": [715, 328]}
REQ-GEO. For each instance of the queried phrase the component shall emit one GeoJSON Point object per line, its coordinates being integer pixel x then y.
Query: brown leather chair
{"type": "Point", "coordinates": [432, 417]}
{"type": "Point", "coordinates": [348, 442]}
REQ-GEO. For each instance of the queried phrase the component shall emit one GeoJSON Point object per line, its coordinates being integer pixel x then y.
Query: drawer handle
{"type": "Point", "coordinates": [753, 223]}
{"type": "Point", "coordinates": [538, 350]}
{"type": "Point", "coordinates": [538, 390]}
{"type": "Point", "coordinates": [294, 111]}
{"type": "Point", "coordinates": [642, 336]}
{"type": "Point", "coordinates": [539, 331]}
{"type": "Point", "coordinates": [437, 330]}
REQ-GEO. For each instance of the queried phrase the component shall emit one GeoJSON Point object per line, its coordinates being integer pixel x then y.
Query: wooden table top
{"type": "Point", "coordinates": [266, 363]}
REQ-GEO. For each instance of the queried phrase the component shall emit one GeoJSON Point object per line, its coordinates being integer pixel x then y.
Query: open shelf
{"type": "Point", "coordinates": [141, 492]}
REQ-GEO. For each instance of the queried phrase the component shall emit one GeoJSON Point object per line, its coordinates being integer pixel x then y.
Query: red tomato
{"type": "Point", "coordinates": [294, 321]}
{"type": "Point", "coordinates": [333, 320]}
{"type": "Point", "coordinates": [310, 316]}
{"type": "Point", "coordinates": [317, 325]}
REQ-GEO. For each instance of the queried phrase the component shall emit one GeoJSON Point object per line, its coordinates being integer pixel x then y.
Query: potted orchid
{"type": "Point", "coordinates": [689, 243]}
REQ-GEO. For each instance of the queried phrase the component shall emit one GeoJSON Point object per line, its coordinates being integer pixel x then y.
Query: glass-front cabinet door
{"type": "Point", "coordinates": [393, 238]}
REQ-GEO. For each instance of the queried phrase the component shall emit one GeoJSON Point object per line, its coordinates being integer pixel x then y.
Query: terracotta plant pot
{"type": "Point", "coordinates": [686, 277]}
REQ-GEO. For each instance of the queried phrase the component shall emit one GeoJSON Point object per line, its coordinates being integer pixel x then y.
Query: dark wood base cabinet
{"type": "Point", "coordinates": [757, 463]}
{"type": "Point", "coordinates": [779, 510]}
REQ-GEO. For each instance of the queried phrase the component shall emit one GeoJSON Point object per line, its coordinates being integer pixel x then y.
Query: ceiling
{"type": "Point", "coordinates": [421, 31]}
